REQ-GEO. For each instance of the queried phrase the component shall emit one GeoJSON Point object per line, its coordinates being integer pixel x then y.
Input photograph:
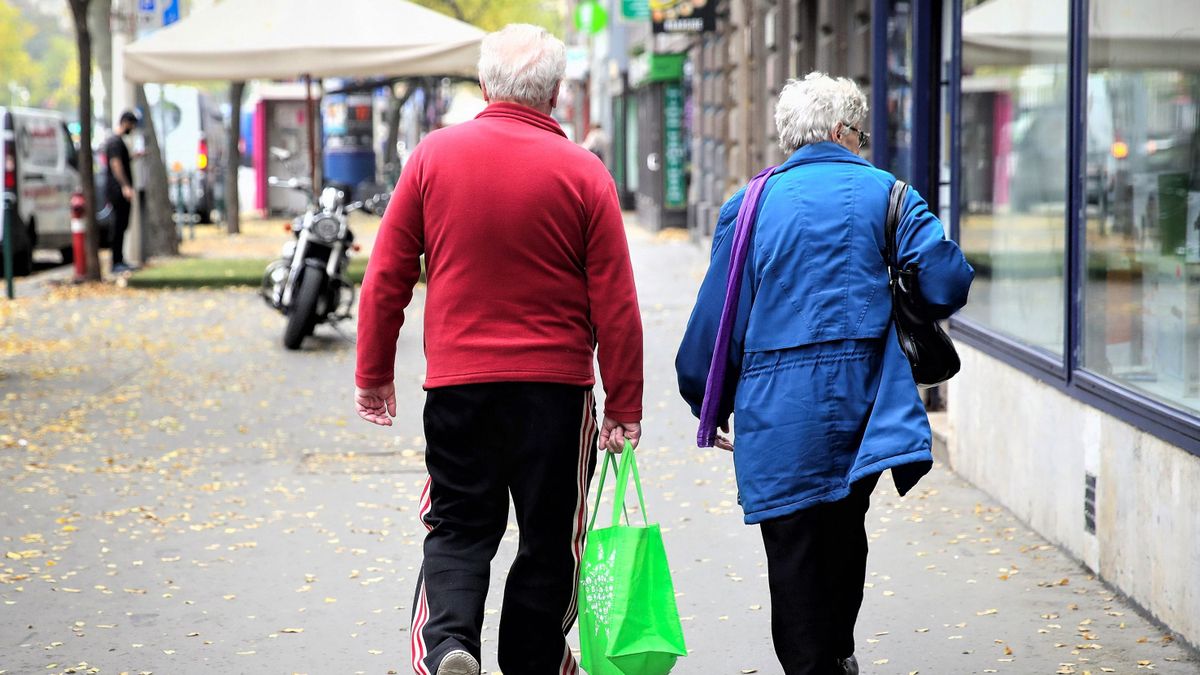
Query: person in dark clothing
{"type": "Point", "coordinates": [118, 186]}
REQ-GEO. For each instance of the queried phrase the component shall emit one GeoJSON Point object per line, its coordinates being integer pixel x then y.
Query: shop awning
{"type": "Point", "coordinates": [283, 39]}
{"type": "Point", "coordinates": [1143, 34]}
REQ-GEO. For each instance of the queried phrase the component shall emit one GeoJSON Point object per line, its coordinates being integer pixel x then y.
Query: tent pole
{"type": "Point", "coordinates": [312, 136]}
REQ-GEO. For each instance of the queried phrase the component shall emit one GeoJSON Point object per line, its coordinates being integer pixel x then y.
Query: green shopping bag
{"type": "Point", "coordinates": [628, 621]}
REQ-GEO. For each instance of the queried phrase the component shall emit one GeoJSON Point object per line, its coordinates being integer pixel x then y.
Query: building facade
{"type": "Point", "coordinates": [1059, 141]}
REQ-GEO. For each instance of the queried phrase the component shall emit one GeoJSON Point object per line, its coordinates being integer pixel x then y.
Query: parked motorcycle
{"type": "Point", "coordinates": [308, 283]}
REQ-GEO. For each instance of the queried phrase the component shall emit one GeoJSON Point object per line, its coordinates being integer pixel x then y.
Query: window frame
{"type": "Point", "coordinates": [1066, 373]}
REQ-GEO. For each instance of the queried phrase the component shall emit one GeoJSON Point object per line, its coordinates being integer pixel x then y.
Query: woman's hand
{"type": "Point", "coordinates": [723, 441]}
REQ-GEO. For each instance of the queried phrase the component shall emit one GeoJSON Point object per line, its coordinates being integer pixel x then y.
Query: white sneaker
{"type": "Point", "coordinates": [458, 662]}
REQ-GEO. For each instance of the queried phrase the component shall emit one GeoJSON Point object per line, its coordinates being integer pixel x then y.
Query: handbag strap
{"type": "Point", "coordinates": [627, 466]}
{"type": "Point", "coordinates": [706, 434]}
{"type": "Point", "coordinates": [896, 199]}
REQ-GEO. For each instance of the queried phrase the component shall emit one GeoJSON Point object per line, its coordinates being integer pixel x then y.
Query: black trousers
{"type": "Point", "coordinates": [816, 565]}
{"type": "Point", "coordinates": [485, 442]}
{"type": "Point", "coordinates": [120, 223]}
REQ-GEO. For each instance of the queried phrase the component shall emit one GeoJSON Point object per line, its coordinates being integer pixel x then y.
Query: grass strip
{"type": "Point", "coordinates": [216, 272]}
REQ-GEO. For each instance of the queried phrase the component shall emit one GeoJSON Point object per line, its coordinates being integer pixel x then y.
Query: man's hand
{"type": "Point", "coordinates": [376, 405]}
{"type": "Point", "coordinates": [613, 434]}
{"type": "Point", "coordinates": [127, 191]}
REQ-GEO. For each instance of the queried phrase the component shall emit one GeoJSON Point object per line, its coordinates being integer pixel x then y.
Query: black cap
{"type": "Point", "coordinates": [129, 116]}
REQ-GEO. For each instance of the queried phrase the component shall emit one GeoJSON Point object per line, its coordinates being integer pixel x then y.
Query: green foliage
{"type": "Point", "coordinates": [37, 53]}
{"type": "Point", "coordinates": [56, 84]}
{"type": "Point", "coordinates": [492, 15]}
{"type": "Point", "coordinates": [16, 66]}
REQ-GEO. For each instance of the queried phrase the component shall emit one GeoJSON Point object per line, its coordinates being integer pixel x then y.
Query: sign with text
{"type": "Point", "coordinates": [683, 16]}
{"type": "Point", "coordinates": [675, 176]}
{"type": "Point", "coordinates": [635, 9]}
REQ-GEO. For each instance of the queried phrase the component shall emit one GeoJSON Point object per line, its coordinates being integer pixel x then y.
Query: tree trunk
{"type": "Point", "coordinates": [83, 44]}
{"type": "Point", "coordinates": [100, 27]}
{"type": "Point", "coordinates": [233, 211]}
{"type": "Point", "coordinates": [159, 232]}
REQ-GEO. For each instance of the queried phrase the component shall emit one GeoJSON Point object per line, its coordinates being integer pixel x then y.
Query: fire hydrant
{"type": "Point", "coordinates": [79, 235]}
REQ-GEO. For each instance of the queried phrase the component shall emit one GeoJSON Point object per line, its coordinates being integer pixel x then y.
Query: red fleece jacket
{"type": "Point", "coordinates": [526, 258]}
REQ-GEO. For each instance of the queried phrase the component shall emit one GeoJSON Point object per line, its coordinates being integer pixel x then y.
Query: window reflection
{"type": "Point", "coordinates": [1142, 295]}
{"type": "Point", "coordinates": [1014, 165]}
{"type": "Point", "coordinates": [899, 89]}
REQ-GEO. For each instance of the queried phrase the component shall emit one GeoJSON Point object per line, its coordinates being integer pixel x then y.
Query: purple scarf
{"type": "Point", "coordinates": [706, 435]}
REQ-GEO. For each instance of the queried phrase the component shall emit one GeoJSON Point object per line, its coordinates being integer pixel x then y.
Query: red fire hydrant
{"type": "Point", "coordinates": [79, 235]}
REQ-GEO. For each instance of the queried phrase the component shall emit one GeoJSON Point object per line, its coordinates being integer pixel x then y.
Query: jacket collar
{"type": "Point", "coordinates": [520, 113]}
{"type": "Point", "coordinates": [825, 151]}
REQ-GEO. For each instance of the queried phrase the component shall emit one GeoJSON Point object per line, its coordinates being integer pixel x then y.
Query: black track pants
{"type": "Point", "coordinates": [485, 442]}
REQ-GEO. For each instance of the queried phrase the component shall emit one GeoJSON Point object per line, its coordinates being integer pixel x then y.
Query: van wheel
{"type": "Point", "coordinates": [22, 262]}
{"type": "Point", "coordinates": [22, 253]}
{"type": "Point", "coordinates": [68, 254]}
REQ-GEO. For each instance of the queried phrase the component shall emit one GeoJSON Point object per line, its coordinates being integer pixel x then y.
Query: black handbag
{"type": "Point", "coordinates": [929, 350]}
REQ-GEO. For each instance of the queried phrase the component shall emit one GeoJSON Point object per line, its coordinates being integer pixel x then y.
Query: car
{"type": "Point", "coordinates": [39, 174]}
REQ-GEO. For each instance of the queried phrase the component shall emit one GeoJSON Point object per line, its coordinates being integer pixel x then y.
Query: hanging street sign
{"type": "Point", "coordinates": [590, 17]}
{"type": "Point", "coordinates": [635, 9]}
{"type": "Point", "coordinates": [683, 16]}
{"type": "Point", "coordinates": [171, 12]}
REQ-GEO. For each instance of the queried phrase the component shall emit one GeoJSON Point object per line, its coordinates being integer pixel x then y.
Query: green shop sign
{"type": "Point", "coordinates": [650, 67]}
{"type": "Point", "coordinates": [675, 177]}
{"type": "Point", "coordinates": [635, 9]}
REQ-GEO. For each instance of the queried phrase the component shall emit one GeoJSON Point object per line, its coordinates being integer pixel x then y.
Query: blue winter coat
{"type": "Point", "coordinates": [823, 395]}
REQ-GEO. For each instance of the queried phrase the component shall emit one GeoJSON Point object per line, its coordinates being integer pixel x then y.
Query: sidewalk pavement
{"type": "Point", "coordinates": [181, 495]}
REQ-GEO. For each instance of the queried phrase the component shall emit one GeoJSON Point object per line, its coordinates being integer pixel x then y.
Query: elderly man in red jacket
{"type": "Point", "coordinates": [529, 275]}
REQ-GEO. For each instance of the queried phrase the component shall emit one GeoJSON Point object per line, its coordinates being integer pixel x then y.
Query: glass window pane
{"type": "Point", "coordinates": [1014, 165]}
{"type": "Point", "coordinates": [1142, 296]}
{"type": "Point", "coordinates": [899, 89]}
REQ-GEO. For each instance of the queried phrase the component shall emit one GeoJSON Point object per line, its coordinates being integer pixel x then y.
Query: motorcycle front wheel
{"type": "Point", "coordinates": [303, 316]}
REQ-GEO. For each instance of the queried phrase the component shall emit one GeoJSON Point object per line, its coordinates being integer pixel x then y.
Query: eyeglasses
{"type": "Point", "coordinates": [864, 138]}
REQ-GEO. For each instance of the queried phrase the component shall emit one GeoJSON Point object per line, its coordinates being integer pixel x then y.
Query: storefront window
{"type": "Point", "coordinates": [899, 89]}
{"type": "Point", "coordinates": [1014, 134]}
{"type": "Point", "coordinates": [1142, 289]}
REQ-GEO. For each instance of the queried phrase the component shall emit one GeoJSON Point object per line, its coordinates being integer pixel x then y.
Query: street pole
{"type": "Point", "coordinates": [8, 253]}
{"type": "Point", "coordinates": [310, 122]}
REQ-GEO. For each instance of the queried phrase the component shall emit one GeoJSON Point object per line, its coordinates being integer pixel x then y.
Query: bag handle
{"type": "Point", "coordinates": [706, 434]}
{"type": "Point", "coordinates": [627, 466]}
{"type": "Point", "coordinates": [896, 198]}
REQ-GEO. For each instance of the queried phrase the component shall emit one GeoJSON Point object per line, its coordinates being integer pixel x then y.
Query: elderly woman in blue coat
{"type": "Point", "coordinates": [823, 397]}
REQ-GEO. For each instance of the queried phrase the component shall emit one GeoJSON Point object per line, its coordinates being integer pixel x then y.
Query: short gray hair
{"type": "Point", "coordinates": [809, 109]}
{"type": "Point", "coordinates": [522, 64]}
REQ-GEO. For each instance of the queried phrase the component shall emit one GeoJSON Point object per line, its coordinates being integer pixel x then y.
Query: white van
{"type": "Point", "coordinates": [191, 133]}
{"type": "Point", "coordinates": [39, 175]}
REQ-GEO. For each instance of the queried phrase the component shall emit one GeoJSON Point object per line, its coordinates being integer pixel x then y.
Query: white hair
{"type": "Point", "coordinates": [522, 64]}
{"type": "Point", "coordinates": [809, 109]}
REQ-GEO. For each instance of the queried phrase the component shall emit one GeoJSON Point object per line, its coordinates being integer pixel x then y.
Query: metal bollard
{"type": "Point", "coordinates": [79, 235]}
{"type": "Point", "coordinates": [6, 234]}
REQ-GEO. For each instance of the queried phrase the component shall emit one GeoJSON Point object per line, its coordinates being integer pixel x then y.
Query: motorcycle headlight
{"type": "Point", "coordinates": [289, 250]}
{"type": "Point", "coordinates": [326, 228]}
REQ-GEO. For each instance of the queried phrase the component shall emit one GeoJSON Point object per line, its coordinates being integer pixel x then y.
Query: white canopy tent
{"type": "Point", "coordinates": [283, 39]}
